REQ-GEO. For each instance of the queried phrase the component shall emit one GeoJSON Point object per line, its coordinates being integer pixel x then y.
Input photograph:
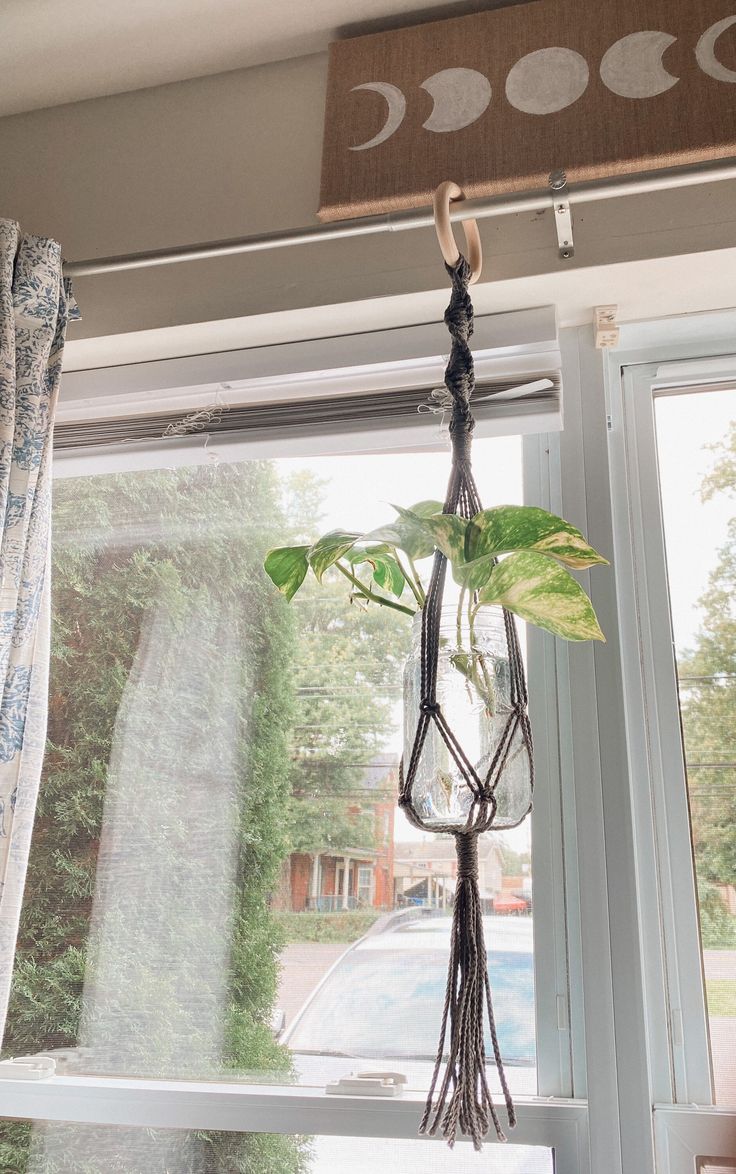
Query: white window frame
{"type": "Point", "coordinates": [659, 361]}
{"type": "Point", "coordinates": [370, 886]}
{"type": "Point", "coordinates": [687, 1137]}
{"type": "Point", "coordinates": [570, 901]}
{"type": "Point", "coordinates": [158, 1104]}
{"type": "Point", "coordinates": [598, 815]}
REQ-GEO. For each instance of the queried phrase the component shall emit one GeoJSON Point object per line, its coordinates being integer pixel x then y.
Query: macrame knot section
{"type": "Point", "coordinates": [460, 372]}
{"type": "Point", "coordinates": [467, 855]}
{"type": "Point", "coordinates": [429, 706]}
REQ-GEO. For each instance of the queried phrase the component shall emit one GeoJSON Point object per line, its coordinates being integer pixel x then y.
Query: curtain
{"type": "Point", "coordinates": [35, 306]}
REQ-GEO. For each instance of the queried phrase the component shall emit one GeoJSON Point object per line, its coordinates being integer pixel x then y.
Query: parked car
{"type": "Point", "coordinates": [381, 1002]}
{"type": "Point", "coordinates": [379, 1007]}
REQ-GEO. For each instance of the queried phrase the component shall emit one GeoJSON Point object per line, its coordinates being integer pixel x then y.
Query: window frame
{"type": "Point", "coordinates": [678, 1023]}
{"type": "Point", "coordinates": [686, 1137]}
{"type": "Point", "coordinates": [553, 1119]}
{"type": "Point", "coordinates": [658, 361]}
{"type": "Point", "coordinates": [157, 1104]}
{"type": "Point", "coordinates": [599, 817]}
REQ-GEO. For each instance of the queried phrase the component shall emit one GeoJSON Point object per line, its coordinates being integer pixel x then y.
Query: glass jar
{"type": "Point", "coordinates": [473, 690]}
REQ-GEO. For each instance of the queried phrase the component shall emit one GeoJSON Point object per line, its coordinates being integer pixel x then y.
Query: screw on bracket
{"type": "Point", "coordinates": [563, 215]}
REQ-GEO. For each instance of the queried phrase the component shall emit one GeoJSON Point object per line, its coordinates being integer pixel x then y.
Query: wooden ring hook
{"type": "Point", "coordinates": [444, 195]}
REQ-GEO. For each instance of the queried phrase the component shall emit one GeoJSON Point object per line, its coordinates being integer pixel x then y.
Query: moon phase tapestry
{"type": "Point", "coordinates": [498, 100]}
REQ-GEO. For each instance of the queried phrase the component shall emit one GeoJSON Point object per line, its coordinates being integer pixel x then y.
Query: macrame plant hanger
{"type": "Point", "coordinates": [459, 1097]}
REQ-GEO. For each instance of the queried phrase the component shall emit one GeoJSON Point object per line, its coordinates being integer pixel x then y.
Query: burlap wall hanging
{"type": "Point", "coordinates": [500, 99]}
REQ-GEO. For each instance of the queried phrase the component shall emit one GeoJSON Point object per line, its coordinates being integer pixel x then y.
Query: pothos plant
{"type": "Point", "coordinates": [516, 557]}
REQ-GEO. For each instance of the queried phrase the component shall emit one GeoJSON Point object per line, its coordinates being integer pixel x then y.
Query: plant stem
{"type": "Point", "coordinates": [416, 590]}
{"type": "Point", "coordinates": [368, 594]}
{"type": "Point", "coordinates": [459, 620]}
{"type": "Point", "coordinates": [417, 580]}
{"type": "Point", "coordinates": [490, 694]}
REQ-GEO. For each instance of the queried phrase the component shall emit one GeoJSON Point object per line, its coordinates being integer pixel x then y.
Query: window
{"type": "Point", "coordinates": [217, 831]}
{"type": "Point", "coordinates": [696, 432]}
{"type": "Point", "coordinates": [670, 428]}
{"type": "Point", "coordinates": [365, 885]}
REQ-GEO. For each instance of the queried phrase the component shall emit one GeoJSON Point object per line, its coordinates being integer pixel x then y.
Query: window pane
{"type": "Point", "coordinates": [696, 434]}
{"type": "Point", "coordinates": [48, 1147]}
{"type": "Point", "coordinates": [217, 823]}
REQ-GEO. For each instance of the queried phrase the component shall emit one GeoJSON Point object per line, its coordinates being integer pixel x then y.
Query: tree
{"type": "Point", "coordinates": [708, 687]}
{"type": "Point", "coordinates": [347, 674]}
{"type": "Point", "coordinates": [146, 935]}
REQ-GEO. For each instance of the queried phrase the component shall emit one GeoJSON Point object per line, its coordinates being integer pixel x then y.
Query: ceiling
{"type": "Point", "coordinates": [56, 51]}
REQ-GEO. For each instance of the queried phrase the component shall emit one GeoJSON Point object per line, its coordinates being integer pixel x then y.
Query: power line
{"type": "Point", "coordinates": [710, 677]}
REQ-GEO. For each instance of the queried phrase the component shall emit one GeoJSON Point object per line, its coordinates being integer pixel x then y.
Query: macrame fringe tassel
{"type": "Point", "coordinates": [464, 1100]}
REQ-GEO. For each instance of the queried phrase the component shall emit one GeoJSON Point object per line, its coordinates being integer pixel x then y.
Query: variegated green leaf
{"type": "Point", "coordinates": [328, 549]}
{"type": "Point", "coordinates": [388, 574]}
{"type": "Point", "coordinates": [544, 593]}
{"type": "Point", "coordinates": [286, 567]}
{"type": "Point", "coordinates": [360, 554]}
{"type": "Point", "coordinates": [406, 533]}
{"type": "Point", "coordinates": [474, 575]}
{"type": "Point", "coordinates": [446, 531]}
{"type": "Point", "coordinates": [510, 528]}
{"type": "Point", "coordinates": [385, 570]}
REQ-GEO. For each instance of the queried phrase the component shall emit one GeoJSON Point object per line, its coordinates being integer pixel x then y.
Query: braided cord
{"type": "Point", "coordinates": [463, 1100]}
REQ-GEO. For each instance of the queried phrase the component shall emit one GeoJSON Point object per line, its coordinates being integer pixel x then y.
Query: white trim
{"type": "Point", "coordinates": [684, 1135]}
{"type": "Point", "coordinates": [558, 1003]}
{"type": "Point", "coordinates": [161, 1104]}
{"type": "Point", "coordinates": [681, 338]}
{"type": "Point", "coordinates": [514, 345]}
{"type": "Point", "coordinates": [678, 1026]}
{"type": "Point", "coordinates": [511, 349]}
{"type": "Point", "coordinates": [619, 1095]}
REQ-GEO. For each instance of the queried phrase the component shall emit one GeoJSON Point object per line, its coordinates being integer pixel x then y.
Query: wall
{"type": "Point", "coordinates": [239, 153]}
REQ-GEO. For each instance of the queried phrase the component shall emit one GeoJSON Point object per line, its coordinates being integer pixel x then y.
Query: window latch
{"type": "Point", "coordinates": [28, 1068]}
{"type": "Point", "coordinates": [368, 1084]}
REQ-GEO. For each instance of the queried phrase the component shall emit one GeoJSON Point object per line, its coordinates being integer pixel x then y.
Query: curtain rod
{"type": "Point", "coordinates": [505, 205]}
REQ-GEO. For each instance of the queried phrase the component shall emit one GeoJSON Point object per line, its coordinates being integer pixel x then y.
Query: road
{"type": "Point", "coordinates": [302, 966]}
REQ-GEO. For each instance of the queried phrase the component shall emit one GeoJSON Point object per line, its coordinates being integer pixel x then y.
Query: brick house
{"type": "Point", "coordinates": [356, 876]}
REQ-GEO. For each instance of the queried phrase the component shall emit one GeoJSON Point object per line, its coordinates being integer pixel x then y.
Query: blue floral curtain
{"type": "Point", "coordinates": [35, 306]}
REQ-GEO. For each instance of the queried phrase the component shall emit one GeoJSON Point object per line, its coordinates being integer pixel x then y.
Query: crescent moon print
{"type": "Point", "coordinates": [460, 97]}
{"type": "Point", "coordinates": [706, 52]}
{"type": "Point", "coordinates": [632, 68]}
{"type": "Point", "coordinates": [547, 81]}
{"type": "Point", "coordinates": [396, 103]}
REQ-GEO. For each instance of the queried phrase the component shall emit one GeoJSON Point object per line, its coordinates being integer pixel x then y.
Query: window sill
{"type": "Point", "coordinates": [167, 1104]}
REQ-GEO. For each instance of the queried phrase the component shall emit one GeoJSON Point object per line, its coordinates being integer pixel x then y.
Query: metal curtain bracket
{"type": "Point", "coordinates": [563, 215]}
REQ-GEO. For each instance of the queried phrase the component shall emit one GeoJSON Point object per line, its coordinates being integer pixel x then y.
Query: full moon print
{"type": "Point", "coordinates": [500, 99]}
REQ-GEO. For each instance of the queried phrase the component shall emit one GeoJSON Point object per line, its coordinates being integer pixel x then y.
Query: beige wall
{"type": "Point", "coordinates": [239, 153]}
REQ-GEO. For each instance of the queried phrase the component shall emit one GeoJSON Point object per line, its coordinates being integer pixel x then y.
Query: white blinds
{"type": "Point", "coordinates": [355, 393]}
